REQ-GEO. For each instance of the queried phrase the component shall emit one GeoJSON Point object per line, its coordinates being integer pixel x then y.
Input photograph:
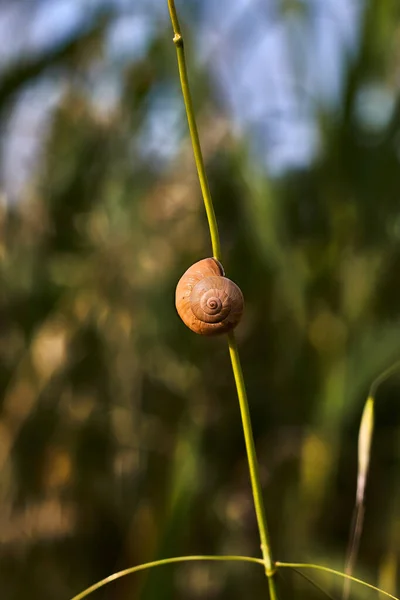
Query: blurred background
{"type": "Point", "coordinates": [120, 433]}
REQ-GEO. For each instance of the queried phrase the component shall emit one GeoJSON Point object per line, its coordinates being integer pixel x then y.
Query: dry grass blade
{"type": "Point", "coordinates": [364, 453]}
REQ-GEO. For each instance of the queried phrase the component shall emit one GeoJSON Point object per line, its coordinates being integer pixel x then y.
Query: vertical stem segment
{"type": "Point", "coordinates": [198, 156]}
{"type": "Point", "coordinates": [270, 568]}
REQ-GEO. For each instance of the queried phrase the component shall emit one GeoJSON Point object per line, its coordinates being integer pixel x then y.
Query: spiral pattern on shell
{"type": "Point", "coordinates": [208, 302]}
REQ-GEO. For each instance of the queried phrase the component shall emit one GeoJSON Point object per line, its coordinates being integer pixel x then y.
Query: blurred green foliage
{"type": "Point", "coordinates": [120, 436]}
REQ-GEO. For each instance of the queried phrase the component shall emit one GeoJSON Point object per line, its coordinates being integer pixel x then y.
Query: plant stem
{"type": "Point", "coordinates": [296, 566]}
{"type": "Point", "coordinates": [270, 568]}
{"type": "Point", "coordinates": [392, 370]}
{"type": "Point", "coordinates": [198, 156]}
{"type": "Point", "coordinates": [160, 563]}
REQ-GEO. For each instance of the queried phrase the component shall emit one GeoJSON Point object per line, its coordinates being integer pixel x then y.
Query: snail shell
{"type": "Point", "coordinates": [208, 302]}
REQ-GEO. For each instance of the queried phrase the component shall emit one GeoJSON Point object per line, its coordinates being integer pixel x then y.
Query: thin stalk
{"type": "Point", "coordinates": [270, 568]}
{"type": "Point", "coordinates": [395, 368]}
{"type": "Point", "coordinates": [296, 566]}
{"type": "Point", "coordinates": [198, 155]}
{"type": "Point", "coordinates": [268, 561]}
{"type": "Point", "coordinates": [159, 563]}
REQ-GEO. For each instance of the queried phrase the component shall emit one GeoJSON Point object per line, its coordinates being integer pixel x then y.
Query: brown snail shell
{"type": "Point", "coordinates": [208, 302]}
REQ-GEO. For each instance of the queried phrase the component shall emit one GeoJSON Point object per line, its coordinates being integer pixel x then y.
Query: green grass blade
{"type": "Point", "coordinates": [160, 563]}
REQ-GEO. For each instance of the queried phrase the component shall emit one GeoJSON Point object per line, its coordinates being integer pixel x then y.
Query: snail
{"type": "Point", "coordinates": [208, 302]}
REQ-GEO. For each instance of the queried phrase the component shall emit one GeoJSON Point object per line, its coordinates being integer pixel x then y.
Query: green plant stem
{"type": "Point", "coordinates": [159, 563]}
{"type": "Point", "coordinates": [392, 370]}
{"type": "Point", "coordinates": [198, 156]}
{"type": "Point", "coordinates": [295, 566]}
{"type": "Point", "coordinates": [270, 569]}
